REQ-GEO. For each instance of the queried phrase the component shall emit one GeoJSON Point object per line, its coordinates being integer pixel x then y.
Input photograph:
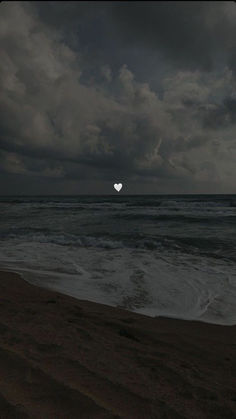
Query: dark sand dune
{"type": "Point", "coordinates": [65, 358]}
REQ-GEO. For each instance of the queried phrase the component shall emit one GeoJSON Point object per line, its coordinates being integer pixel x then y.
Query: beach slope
{"type": "Point", "coordinates": [66, 358]}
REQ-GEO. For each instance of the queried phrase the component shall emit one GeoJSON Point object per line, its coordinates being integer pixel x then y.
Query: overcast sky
{"type": "Point", "coordinates": [93, 93]}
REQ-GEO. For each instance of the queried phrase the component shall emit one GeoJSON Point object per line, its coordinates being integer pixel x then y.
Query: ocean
{"type": "Point", "coordinates": [159, 255]}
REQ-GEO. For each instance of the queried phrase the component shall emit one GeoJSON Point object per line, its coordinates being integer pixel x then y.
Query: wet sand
{"type": "Point", "coordinates": [66, 358]}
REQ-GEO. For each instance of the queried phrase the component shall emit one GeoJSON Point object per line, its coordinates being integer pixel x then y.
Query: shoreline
{"type": "Point", "coordinates": [173, 317]}
{"type": "Point", "coordinates": [63, 357]}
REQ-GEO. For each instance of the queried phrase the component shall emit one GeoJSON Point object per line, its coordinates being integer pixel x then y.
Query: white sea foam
{"type": "Point", "coordinates": [152, 283]}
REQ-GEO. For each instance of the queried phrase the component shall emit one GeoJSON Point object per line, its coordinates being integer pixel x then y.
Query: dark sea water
{"type": "Point", "coordinates": [158, 255]}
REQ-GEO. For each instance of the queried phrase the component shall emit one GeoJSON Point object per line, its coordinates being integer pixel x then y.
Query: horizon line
{"type": "Point", "coordinates": [118, 194]}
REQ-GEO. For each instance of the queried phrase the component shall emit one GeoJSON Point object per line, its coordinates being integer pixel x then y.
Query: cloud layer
{"type": "Point", "coordinates": [75, 117]}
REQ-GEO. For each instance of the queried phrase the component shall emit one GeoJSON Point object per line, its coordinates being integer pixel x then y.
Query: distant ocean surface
{"type": "Point", "coordinates": [171, 256]}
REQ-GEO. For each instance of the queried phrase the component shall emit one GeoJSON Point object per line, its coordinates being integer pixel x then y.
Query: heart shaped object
{"type": "Point", "coordinates": [118, 186]}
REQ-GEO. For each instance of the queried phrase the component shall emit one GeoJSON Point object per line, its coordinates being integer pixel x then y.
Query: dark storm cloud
{"type": "Point", "coordinates": [191, 34]}
{"type": "Point", "coordinates": [85, 26]}
{"type": "Point", "coordinates": [222, 115]}
{"type": "Point", "coordinates": [72, 109]}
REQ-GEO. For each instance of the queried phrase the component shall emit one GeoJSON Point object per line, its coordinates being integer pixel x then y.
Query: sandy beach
{"type": "Point", "coordinates": [66, 358]}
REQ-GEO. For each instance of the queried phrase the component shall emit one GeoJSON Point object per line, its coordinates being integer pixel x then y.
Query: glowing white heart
{"type": "Point", "coordinates": [118, 186]}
